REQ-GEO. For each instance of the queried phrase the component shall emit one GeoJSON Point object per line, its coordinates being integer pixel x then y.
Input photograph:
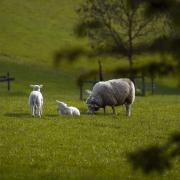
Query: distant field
{"type": "Point", "coordinates": [36, 29]}
{"type": "Point", "coordinates": [33, 31]}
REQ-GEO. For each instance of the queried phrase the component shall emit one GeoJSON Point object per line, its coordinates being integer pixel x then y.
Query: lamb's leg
{"type": "Point", "coordinates": [39, 111]}
{"type": "Point", "coordinates": [35, 109]}
{"type": "Point", "coordinates": [128, 110]}
{"type": "Point", "coordinates": [32, 110]}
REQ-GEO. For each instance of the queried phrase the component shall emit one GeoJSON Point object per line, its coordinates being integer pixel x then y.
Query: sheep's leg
{"type": "Point", "coordinates": [128, 110]}
{"type": "Point", "coordinates": [104, 110]}
{"type": "Point", "coordinates": [114, 111]}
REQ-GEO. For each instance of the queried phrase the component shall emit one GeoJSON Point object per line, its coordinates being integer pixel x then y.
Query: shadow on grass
{"type": "Point", "coordinates": [51, 115]}
{"type": "Point", "coordinates": [156, 158]}
{"type": "Point", "coordinates": [97, 113]}
{"type": "Point", "coordinates": [165, 89]}
{"type": "Point", "coordinates": [27, 115]}
{"type": "Point", "coordinates": [18, 115]}
{"type": "Point", "coordinates": [13, 93]}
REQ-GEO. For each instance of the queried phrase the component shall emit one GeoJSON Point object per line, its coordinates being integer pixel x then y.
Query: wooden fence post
{"type": "Point", "coordinates": [143, 86]}
{"type": "Point", "coordinates": [8, 81]}
{"type": "Point", "coordinates": [81, 91]}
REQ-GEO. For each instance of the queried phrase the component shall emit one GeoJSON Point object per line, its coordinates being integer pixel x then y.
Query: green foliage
{"type": "Point", "coordinates": [171, 10]}
{"type": "Point", "coordinates": [113, 25]}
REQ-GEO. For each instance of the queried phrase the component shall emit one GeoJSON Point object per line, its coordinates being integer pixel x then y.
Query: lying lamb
{"type": "Point", "coordinates": [36, 100]}
{"type": "Point", "coordinates": [63, 109]}
{"type": "Point", "coordinates": [112, 93]}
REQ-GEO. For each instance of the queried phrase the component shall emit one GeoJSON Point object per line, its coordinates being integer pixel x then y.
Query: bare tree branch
{"type": "Point", "coordinates": [142, 26]}
{"type": "Point", "coordinates": [121, 25]}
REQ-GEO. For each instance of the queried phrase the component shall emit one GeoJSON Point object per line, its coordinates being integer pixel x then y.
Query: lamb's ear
{"type": "Point", "coordinates": [61, 103]}
{"type": "Point", "coordinates": [40, 85]}
{"type": "Point", "coordinates": [31, 85]}
{"type": "Point", "coordinates": [88, 92]}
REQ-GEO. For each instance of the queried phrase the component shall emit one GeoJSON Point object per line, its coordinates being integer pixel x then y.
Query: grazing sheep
{"type": "Point", "coordinates": [63, 109]}
{"type": "Point", "coordinates": [36, 100]}
{"type": "Point", "coordinates": [112, 93]}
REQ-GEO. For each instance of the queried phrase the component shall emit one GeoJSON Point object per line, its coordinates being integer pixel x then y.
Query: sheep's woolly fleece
{"type": "Point", "coordinates": [114, 92]}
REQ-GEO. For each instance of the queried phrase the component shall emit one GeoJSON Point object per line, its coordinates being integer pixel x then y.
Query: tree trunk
{"type": "Point", "coordinates": [130, 47]}
{"type": "Point", "coordinates": [100, 71]}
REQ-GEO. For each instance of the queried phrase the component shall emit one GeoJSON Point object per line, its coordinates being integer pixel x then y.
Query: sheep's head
{"type": "Point", "coordinates": [92, 105]}
{"type": "Point", "coordinates": [36, 87]}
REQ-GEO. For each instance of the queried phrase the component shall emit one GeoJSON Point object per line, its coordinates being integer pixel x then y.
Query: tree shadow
{"type": "Point", "coordinates": [165, 89]}
{"type": "Point", "coordinates": [156, 158]}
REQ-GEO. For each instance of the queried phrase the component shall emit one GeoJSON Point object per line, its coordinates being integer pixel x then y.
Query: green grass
{"type": "Point", "coordinates": [64, 147]}
{"type": "Point", "coordinates": [85, 147]}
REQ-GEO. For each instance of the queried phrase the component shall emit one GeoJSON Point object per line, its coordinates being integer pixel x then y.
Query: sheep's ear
{"type": "Point", "coordinates": [41, 86]}
{"type": "Point", "coordinates": [96, 106]}
{"type": "Point", "coordinates": [31, 85]}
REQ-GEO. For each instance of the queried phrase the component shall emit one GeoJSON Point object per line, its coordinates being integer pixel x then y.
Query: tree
{"type": "Point", "coordinates": [170, 9]}
{"type": "Point", "coordinates": [116, 27]}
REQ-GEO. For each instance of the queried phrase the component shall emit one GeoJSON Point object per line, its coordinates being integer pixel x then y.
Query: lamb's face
{"type": "Point", "coordinates": [92, 105]}
{"type": "Point", "coordinates": [36, 87]}
{"type": "Point", "coordinates": [61, 105]}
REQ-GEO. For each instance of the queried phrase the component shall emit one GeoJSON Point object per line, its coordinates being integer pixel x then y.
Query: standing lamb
{"type": "Point", "coordinates": [36, 100]}
{"type": "Point", "coordinates": [112, 93]}
{"type": "Point", "coordinates": [63, 109]}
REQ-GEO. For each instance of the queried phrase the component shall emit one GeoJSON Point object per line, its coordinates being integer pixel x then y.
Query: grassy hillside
{"type": "Point", "coordinates": [32, 31]}
{"type": "Point", "coordinates": [55, 82]}
{"type": "Point", "coordinates": [35, 29]}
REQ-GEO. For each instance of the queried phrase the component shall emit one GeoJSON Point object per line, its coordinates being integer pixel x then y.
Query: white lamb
{"type": "Point", "coordinates": [36, 100]}
{"type": "Point", "coordinates": [63, 109]}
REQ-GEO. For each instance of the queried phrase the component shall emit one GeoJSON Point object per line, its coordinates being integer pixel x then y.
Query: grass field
{"type": "Point", "coordinates": [145, 146]}
{"type": "Point", "coordinates": [86, 147]}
